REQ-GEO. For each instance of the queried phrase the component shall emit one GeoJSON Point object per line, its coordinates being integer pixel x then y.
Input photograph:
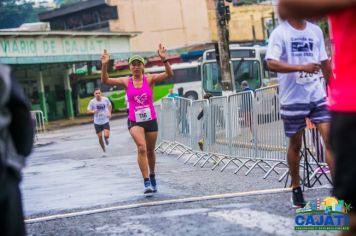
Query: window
{"type": "Point", "coordinates": [185, 75]}
{"type": "Point", "coordinates": [86, 88]}
{"type": "Point", "coordinates": [246, 70]}
{"type": "Point", "coordinates": [211, 78]}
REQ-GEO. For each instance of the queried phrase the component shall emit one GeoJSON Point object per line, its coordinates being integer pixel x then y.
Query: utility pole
{"type": "Point", "coordinates": [222, 20]}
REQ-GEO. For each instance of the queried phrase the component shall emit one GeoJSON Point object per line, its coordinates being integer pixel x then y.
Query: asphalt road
{"type": "Point", "coordinates": [69, 189]}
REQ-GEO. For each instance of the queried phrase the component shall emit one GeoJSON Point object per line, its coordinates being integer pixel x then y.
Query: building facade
{"type": "Point", "coordinates": [43, 63]}
{"type": "Point", "coordinates": [176, 23]}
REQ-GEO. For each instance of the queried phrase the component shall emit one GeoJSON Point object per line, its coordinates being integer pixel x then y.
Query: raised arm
{"type": "Point", "coordinates": [162, 53]}
{"type": "Point", "coordinates": [104, 72]}
{"type": "Point", "coordinates": [311, 8]}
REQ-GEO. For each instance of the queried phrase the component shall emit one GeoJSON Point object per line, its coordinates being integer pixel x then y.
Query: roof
{"type": "Point", "coordinates": [70, 9]}
{"type": "Point", "coordinates": [66, 33]}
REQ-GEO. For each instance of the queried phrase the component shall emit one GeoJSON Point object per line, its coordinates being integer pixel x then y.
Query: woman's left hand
{"type": "Point", "coordinates": [162, 52]}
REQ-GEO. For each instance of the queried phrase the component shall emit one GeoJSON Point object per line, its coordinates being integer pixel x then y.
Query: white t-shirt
{"type": "Point", "coordinates": [101, 116]}
{"type": "Point", "coordinates": [293, 46]}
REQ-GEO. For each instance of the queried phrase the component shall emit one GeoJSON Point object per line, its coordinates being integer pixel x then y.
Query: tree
{"type": "Point", "coordinates": [14, 13]}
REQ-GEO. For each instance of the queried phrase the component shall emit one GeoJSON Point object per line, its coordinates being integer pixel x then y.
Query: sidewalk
{"type": "Point", "coordinates": [80, 120]}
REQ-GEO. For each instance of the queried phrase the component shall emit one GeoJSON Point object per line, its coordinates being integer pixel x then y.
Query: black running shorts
{"type": "Point", "coordinates": [343, 145]}
{"type": "Point", "coordinates": [99, 128]}
{"type": "Point", "coordinates": [148, 126]}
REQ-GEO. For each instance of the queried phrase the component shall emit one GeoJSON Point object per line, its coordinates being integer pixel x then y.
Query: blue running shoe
{"type": "Point", "coordinates": [148, 188]}
{"type": "Point", "coordinates": [153, 183]}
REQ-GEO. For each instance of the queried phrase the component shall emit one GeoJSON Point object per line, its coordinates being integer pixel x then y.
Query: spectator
{"type": "Point", "coordinates": [16, 140]}
{"type": "Point", "coordinates": [172, 94]}
{"type": "Point", "coordinates": [180, 92]}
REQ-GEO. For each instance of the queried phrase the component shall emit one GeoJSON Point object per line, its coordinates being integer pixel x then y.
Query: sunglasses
{"type": "Point", "coordinates": [136, 63]}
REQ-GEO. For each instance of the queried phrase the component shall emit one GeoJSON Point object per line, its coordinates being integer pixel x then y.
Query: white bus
{"type": "Point", "coordinates": [186, 76]}
{"type": "Point", "coordinates": [247, 63]}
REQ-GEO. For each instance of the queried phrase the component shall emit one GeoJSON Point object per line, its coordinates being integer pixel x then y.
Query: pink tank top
{"type": "Point", "coordinates": [140, 100]}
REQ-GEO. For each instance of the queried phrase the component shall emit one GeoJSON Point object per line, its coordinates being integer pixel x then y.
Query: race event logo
{"type": "Point", "coordinates": [329, 214]}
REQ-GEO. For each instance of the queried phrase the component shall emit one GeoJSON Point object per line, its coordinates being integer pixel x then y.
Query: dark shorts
{"type": "Point", "coordinates": [294, 115]}
{"type": "Point", "coordinates": [100, 128]}
{"type": "Point", "coordinates": [343, 145]}
{"type": "Point", "coordinates": [148, 126]}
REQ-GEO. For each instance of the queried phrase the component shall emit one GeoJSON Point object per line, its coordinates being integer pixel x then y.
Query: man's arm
{"type": "Point", "coordinates": [90, 109]}
{"type": "Point", "coordinates": [311, 8]}
{"type": "Point", "coordinates": [326, 70]}
{"type": "Point", "coordinates": [282, 67]}
{"type": "Point", "coordinates": [109, 108]}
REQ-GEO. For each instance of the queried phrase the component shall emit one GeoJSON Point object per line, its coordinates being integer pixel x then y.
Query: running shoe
{"type": "Point", "coordinates": [153, 183]}
{"type": "Point", "coordinates": [148, 189]}
{"type": "Point", "coordinates": [103, 154]}
{"type": "Point", "coordinates": [106, 141]}
{"type": "Point", "coordinates": [298, 198]}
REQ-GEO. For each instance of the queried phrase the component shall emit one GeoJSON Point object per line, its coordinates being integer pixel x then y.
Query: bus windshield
{"type": "Point", "coordinates": [247, 64]}
{"type": "Point", "coordinates": [248, 70]}
{"type": "Point", "coordinates": [212, 78]}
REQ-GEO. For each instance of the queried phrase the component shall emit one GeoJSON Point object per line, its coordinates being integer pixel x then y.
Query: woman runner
{"type": "Point", "coordinates": [142, 123]}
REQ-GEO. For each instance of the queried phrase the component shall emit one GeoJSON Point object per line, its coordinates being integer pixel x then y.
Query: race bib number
{"type": "Point", "coordinates": [102, 115]}
{"type": "Point", "coordinates": [305, 77]}
{"type": "Point", "coordinates": [143, 115]}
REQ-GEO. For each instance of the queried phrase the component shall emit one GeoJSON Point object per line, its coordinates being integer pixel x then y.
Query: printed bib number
{"type": "Point", "coordinates": [143, 114]}
{"type": "Point", "coordinates": [305, 77]}
{"type": "Point", "coordinates": [101, 115]}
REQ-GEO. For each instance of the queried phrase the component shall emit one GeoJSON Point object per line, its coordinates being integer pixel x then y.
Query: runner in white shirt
{"type": "Point", "coordinates": [101, 108]}
{"type": "Point", "coordinates": [296, 51]}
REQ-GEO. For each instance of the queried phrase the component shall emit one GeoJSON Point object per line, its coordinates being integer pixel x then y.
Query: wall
{"type": "Point", "coordinates": [175, 23]}
{"type": "Point", "coordinates": [242, 20]}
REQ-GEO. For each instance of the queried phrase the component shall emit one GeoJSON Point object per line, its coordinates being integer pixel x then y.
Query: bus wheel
{"type": "Point", "coordinates": [191, 95]}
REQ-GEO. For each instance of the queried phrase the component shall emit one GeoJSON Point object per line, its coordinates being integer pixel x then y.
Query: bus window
{"type": "Point", "coordinates": [186, 75]}
{"type": "Point", "coordinates": [247, 70]}
{"type": "Point", "coordinates": [211, 78]}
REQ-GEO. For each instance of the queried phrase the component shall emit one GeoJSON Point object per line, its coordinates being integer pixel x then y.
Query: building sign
{"type": "Point", "coordinates": [25, 50]}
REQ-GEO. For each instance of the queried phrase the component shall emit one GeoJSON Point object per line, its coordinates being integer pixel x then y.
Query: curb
{"type": "Point", "coordinates": [74, 123]}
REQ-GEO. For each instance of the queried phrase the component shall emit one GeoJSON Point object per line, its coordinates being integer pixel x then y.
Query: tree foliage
{"type": "Point", "coordinates": [13, 13]}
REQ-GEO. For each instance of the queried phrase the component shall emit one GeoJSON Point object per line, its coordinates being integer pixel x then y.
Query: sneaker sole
{"type": "Point", "coordinates": [296, 206]}
{"type": "Point", "coordinates": [150, 194]}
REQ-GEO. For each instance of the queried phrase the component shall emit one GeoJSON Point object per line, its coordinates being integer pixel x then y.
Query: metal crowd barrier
{"type": "Point", "coordinates": [158, 114]}
{"type": "Point", "coordinates": [244, 129]}
{"type": "Point", "coordinates": [38, 121]}
{"type": "Point", "coordinates": [199, 141]}
{"type": "Point", "coordinates": [270, 138]}
{"type": "Point", "coordinates": [166, 124]}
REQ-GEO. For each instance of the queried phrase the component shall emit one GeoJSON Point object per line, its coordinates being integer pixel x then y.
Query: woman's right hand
{"type": "Point", "coordinates": [105, 58]}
